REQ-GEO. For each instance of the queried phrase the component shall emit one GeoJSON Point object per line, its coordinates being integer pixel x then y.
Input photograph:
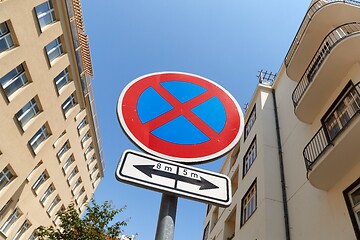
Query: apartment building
{"type": "Point", "coordinates": [50, 147]}
{"type": "Point", "coordinates": [296, 171]}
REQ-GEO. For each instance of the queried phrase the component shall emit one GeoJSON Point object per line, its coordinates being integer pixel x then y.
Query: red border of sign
{"type": "Point", "coordinates": [218, 145]}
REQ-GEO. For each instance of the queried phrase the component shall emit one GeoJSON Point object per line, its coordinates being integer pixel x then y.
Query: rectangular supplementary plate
{"type": "Point", "coordinates": [165, 176]}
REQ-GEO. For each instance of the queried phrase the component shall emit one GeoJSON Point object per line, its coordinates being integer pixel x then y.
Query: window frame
{"type": "Point", "coordinates": [58, 80]}
{"type": "Point", "coordinates": [23, 228]}
{"type": "Point", "coordinates": [58, 47]}
{"type": "Point", "coordinates": [6, 36]}
{"type": "Point", "coordinates": [248, 197]}
{"type": "Point", "coordinates": [64, 148]}
{"type": "Point", "coordinates": [250, 122]}
{"type": "Point", "coordinates": [47, 193]}
{"type": "Point", "coordinates": [68, 163]}
{"type": "Point", "coordinates": [20, 75]}
{"type": "Point", "coordinates": [28, 112]}
{"type": "Point", "coordinates": [81, 125]}
{"type": "Point", "coordinates": [53, 204]}
{"type": "Point", "coordinates": [43, 133]}
{"type": "Point", "coordinates": [50, 12]}
{"type": "Point", "coordinates": [351, 209]}
{"type": "Point", "coordinates": [40, 180]}
{"type": "Point", "coordinates": [68, 104]}
{"type": "Point", "coordinates": [250, 152]}
{"type": "Point", "coordinates": [14, 216]}
{"type": "Point", "coordinates": [5, 175]}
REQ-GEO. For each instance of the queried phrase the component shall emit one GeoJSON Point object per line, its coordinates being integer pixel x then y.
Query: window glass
{"type": "Point", "coordinates": [6, 41]}
{"type": "Point", "coordinates": [41, 135]}
{"type": "Point", "coordinates": [68, 163]}
{"type": "Point", "coordinates": [10, 221]}
{"type": "Point", "coordinates": [249, 204]}
{"type": "Point", "coordinates": [68, 104]}
{"type": "Point", "coordinates": [6, 176]}
{"type": "Point", "coordinates": [62, 79]}
{"type": "Point", "coordinates": [53, 204]}
{"type": "Point", "coordinates": [250, 122]}
{"type": "Point", "coordinates": [81, 125]}
{"type": "Point", "coordinates": [14, 80]}
{"type": "Point", "coordinates": [63, 150]}
{"type": "Point", "coordinates": [25, 226]}
{"type": "Point", "coordinates": [47, 193]}
{"type": "Point", "coordinates": [54, 49]}
{"type": "Point", "coordinates": [42, 178]}
{"type": "Point", "coordinates": [250, 157]}
{"type": "Point", "coordinates": [45, 13]}
{"type": "Point", "coordinates": [26, 113]}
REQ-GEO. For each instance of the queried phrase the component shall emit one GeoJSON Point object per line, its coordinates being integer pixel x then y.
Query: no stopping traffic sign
{"type": "Point", "coordinates": [180, 116]}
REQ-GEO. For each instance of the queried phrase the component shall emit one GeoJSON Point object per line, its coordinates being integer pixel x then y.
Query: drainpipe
{"type": "Point", "coordinates": [282, 174]}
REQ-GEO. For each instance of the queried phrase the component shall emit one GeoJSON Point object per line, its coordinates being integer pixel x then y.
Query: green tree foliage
{"type": "Point", "coordinates": [96, 224]}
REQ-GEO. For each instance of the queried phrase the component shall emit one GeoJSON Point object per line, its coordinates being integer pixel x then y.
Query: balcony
{"type": "Point", "coordinates": [322, 17]}
{"type": "Point", "coordinates": [333, 150]}
{"type": "Point", "coordinates": [336, 55]}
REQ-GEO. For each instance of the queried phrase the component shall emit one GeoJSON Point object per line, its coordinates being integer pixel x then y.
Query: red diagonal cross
{"type": "Point", "coordinates": [183, 109]}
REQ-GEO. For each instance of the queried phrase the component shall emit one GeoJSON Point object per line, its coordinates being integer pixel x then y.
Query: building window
{"type": "Point", "coordinates": [68, 163]}
{"type": "Point", "coordinates": [77, 183]}
{"type": "Point", "coordinates": [352, 199]}
{"type": "Point", "coordinates": [88, 149]}
{"type": "Point", "coordinates": [91, 159]}
{"type": "Point", "coordinates": [63, 150]}
{"type": "Point", "coordinates": [33, 236]}
{"type": "Point", "coordinates": [340, 113]}
{"type": "Point", "coordinates": [47, 193]}
{"type": "Point", "coordinates": [84, 201]}
{"type": "Point", "coordinates": [56, 217]}
{"type": "Point", "coordinates": [25, 226]}
{"type": "Point", "coordinates": [206, 232]}
{"type": "Point", "coordinates": [62, 79]}
{"type": "Point", "coordinates": [84, 138]}
{"type": "Point", "coordinates": [41, 179]}
{"type": "Point", "coordinates": [4, 209]}
{"type": "Point", "coordinates": [68, 104]}
{"type": "Point", "coordinates": [97, 177]}
{"type": "Point", "coordinates": [53, 204]}
{"type": "Point", "coordinates": [54, 49]}
{"type": "Point", "coordinates": [249, 157]}
{"type": "Point", "coordinates": [72, 174]}
{"type": "Point", "coordinates": [94, 169]}
{"type": "Point", "coordinates": [81, 125]}
{"type": "Point", "coordinates": [81, 192]}
{"type": "Point", "coordinates": [6, 176]}
{"type": "Point", "coordinates": [41, 135]}
{"type": "Point", "coordinates": [10, 221]}
{"type": "Point", "coordinates": [6, 41]}
{"type": "Point", "coordinates": [26, 113]}
{"type": "Point", "coordinates": [234, 156]}
{"type": "Point", "coordinates": [250, 122]}
{"type": "Point", "coordinates": [45, 14]}
{"type": "Point", "coordinates": [248, 204]}
{"type": "Point", "coordinates": [14, 80]}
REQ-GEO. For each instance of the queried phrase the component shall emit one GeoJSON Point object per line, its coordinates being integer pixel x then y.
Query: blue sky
{"type": "Point", "coordinates": [226, 41]}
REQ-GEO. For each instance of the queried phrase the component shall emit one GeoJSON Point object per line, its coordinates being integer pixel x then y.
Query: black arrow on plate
{"type": "Point", "coordinates": [149, 170]}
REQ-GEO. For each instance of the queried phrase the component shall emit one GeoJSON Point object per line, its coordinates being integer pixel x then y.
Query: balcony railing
{"type": "Point", "coordinates": [344, 112]}
{"type": "Point", "coordinates": [305, 23]}
{"type": "Point", "coordinates": [333, 38]}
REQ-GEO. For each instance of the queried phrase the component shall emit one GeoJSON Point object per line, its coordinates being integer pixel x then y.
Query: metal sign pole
{"type": "Point", "coordinates": [167, 214]}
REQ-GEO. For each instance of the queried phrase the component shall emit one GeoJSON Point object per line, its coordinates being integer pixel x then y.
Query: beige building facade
{"type": "Point", "coordinates": [296, 170]}
{"type": "Point", "coordinates": [50, 147]}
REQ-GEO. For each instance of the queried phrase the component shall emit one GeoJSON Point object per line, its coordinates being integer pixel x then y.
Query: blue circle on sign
{"type": "Point", "coordinates": [180, 130]}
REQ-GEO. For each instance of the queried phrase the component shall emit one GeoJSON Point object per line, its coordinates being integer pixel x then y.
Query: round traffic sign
{"type": "Point", "coordinates": [180, 116]}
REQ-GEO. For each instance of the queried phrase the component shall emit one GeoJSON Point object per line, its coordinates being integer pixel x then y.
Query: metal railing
{"type": "Point", "coordinates": [333, 38]}
{"type": "Point", "coordinates": [325, 136]}
{"type": "Point", "coordinates": [305, 23]}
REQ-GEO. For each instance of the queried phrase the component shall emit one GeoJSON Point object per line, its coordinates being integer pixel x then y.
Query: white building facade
{"type": "Point", "coordinates": [296, 170]}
